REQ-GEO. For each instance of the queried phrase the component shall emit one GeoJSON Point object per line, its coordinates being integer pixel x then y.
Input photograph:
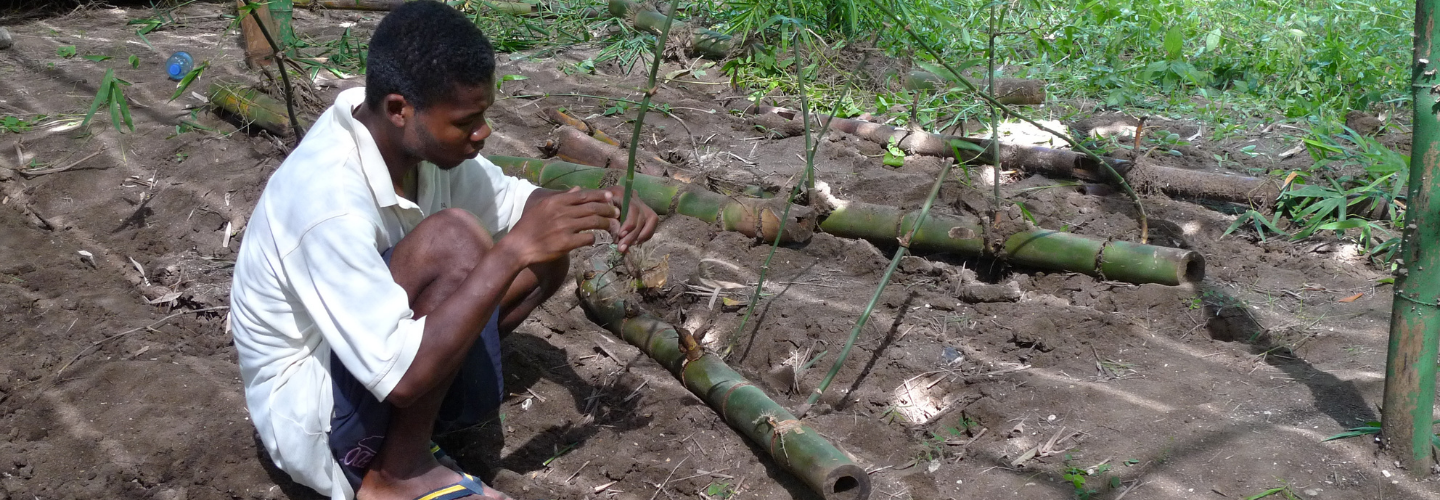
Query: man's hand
{"type": "Point", "coordinates": [559, 222]}
{"type": "Point", "coordinates": [639, 223]}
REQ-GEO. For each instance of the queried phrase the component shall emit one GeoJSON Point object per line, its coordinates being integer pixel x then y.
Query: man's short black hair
{"type": "Point", "coordinates": [422, 50]}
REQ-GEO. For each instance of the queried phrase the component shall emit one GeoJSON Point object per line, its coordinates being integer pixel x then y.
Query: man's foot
{"type": "Point", "coordinates": [435, 483]}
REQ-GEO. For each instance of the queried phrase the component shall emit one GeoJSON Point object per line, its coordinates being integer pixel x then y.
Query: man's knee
{"type": "Point", "coordinates": [444, 246]}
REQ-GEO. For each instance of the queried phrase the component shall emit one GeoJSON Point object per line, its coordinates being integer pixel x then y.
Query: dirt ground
{"type": "Point", "coordinates": [118, 379]}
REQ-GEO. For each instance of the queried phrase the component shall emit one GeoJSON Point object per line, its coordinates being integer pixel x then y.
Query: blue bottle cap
{"type": "Point", "coordinates": [176, 70]}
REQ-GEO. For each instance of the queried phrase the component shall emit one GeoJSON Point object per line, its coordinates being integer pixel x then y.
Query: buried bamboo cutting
{"type": "Point", "coordinates": [794, 445]}
{"type": "Point", "coordinates": [762, 219]}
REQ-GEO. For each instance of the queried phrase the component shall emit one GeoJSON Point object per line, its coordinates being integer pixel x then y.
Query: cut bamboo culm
{"type": "Point", "coordinates": [793, 445]}
{"type": "Point", "coordinates": [754, 217]}
{"type": "Point", "coordinates": [940, 233]}
{"type": "Point", "coordinates": [251, 106]}
{"type": "Point", "coordinates": [696, 41]}
{"type": "Point", "coordinates": [258, 51]}
{"type": "Point", "coordinates": [1007, 90]}
{"type": "Point", "coordinates": [1144, 176]}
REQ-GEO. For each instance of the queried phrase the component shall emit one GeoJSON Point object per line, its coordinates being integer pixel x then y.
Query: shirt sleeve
{"type": "Point", "coordinates": [345, 286]}
{"type": "Point", "coordinates": [483, 188]}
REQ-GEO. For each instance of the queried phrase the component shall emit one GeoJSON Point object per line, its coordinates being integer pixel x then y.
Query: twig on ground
{"type": "Point", "coordinates": [661, 487]}
{"type": "Point", "coordinates": [97, 343]}
{"type": "Point", "coordinates": [284, 75]}
{"type": "Point", "coordinates": [30, 174]}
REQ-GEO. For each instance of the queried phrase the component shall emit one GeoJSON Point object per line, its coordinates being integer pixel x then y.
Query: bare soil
{"type": "Point", "coordinates": [118, 379]}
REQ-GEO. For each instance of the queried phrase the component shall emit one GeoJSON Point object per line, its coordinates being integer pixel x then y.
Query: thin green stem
{"type": "Point", "coordinates": [644, 106]}
{"type": "Point", "coordinates": [804, 103]}
{"type": "Point", "coordinates": [284, 75]}
{"type": "Point", "coordinates": [1134, 197]}
{"type": "Point", "coordinates": [764, 269]}
{"type": "Point", "coordinates": [874, 299]}
{"type": "Point", "coordinates": [785, 216]}
{"type": "Point", "coordinates": [994, 115]}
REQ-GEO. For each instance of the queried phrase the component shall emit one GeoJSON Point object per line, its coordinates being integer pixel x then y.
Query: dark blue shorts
{"type": "Point", "coordinates": [359, 422]}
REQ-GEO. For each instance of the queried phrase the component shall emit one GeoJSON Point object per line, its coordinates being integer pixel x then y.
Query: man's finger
{"type": "Point", "coordinates": [598, 208]}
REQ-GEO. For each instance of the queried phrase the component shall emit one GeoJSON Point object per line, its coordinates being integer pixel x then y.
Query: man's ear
{"type": "Point", "coordinates": [397, 110]}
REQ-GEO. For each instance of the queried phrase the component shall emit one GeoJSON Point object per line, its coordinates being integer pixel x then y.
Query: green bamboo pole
{"type": "Point", "coordinates": [1406, 418]}
{"type": "Point", "coordinates": [939, 233]}
{"type": "Point", "coordinates": [793, 444]}
{"type": "Point", "coordinates": [754, 217]}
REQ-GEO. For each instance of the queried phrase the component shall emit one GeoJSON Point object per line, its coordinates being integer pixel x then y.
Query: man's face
{"type": "Point", "coordinates": [451, 130]}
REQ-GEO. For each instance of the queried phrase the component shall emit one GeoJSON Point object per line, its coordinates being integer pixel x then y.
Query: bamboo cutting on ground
{"type": "Point", "coordinates": [1142, 175]}
{"type": "Point", "coordinates": [794, 445]}
{"type": "Point", "coordinates": [761, 219]}
{"type": "Point", "coordinates": [696, 41]}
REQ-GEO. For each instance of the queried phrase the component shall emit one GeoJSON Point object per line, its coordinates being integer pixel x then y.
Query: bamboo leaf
{"type": "Point", "coordinates": [96, 58]}
{"type": "Point", "coordinates": [188, 79]}
{"type": "Point", "coordinates": [135, 61]}
{"type": "Point", "coordinates": [115, 119]}
{"type": "Point", "coordinates": [1371, 427]}
{"type": "Point", "coordinates": [124, 107]}
{"type": "Point", "coordinates": [101, 97]}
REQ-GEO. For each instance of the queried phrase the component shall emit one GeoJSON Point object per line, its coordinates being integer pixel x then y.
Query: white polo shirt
{"type": "Point", "coordinates": [309, 280]}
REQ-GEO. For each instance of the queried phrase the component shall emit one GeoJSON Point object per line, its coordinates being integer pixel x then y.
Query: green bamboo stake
{"type": "Point", "coordinates": [645, 106]}
{"type": "Point", "coordinates": [1406, 421]}
{"type": "Point", "coordinates": [884, 280]}
{"type": "Point", "coordinates": [1134, 197]}
{"type": "Point", "coordinates": [793, 445]}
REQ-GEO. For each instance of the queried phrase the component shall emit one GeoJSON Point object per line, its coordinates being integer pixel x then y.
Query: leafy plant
{"type": "Point", "coordinates": [111, 96]}
{"type": "Point", "coordinates": [65, 51]}
{"type": "Point", "coordinates": [719, 490]}
{"type": "Point", "coordinates": [16, 125]}
{"type": "Point", "coordinates": [1077, 477]}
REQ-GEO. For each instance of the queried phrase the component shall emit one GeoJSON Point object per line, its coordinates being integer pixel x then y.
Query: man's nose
{"type": "Point", "coordinates": [480, 133]}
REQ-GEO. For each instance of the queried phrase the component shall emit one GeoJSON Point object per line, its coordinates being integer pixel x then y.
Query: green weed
{"type": "Point", "coordinates": [719, 490]}
{"type": "Point", "coordinates": [16, 125]}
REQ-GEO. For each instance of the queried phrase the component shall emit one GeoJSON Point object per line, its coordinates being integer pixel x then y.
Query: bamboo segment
{"type": "Point", "coordinates": [698, 41]}
{"type": "Point", "coordinates": [251, 106]}
{"type": "Point", "coordinates": [793, 444]}
{"type": "Point", "coordinates": [1116, 260]}
{"type": "Point", "coordinates": [1007, 90]}
{"type": "Point", "coordinates": [753, 217]}
{"type": "Point", "coordinates": [575, 146]}
{"type": "Point", "coordinates": [1041, 249]}
{"type": "Point", "coordinates": [258, 51]}
{"type": "Point", "coordinates": [1136, 263]}
{"type": "Point", "coordinates": [1254, 191]}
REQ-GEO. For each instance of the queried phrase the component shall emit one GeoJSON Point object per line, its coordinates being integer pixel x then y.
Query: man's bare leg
{"type": "Point", "coordinates": [430, 263]}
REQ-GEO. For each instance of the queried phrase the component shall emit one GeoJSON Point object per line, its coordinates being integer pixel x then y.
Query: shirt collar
{"type": "Point", "coordinates": [372, 164]}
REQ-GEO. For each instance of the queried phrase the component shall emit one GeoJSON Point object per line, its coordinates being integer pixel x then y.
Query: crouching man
{"type": "Point", "coordinates": [372, 286]}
